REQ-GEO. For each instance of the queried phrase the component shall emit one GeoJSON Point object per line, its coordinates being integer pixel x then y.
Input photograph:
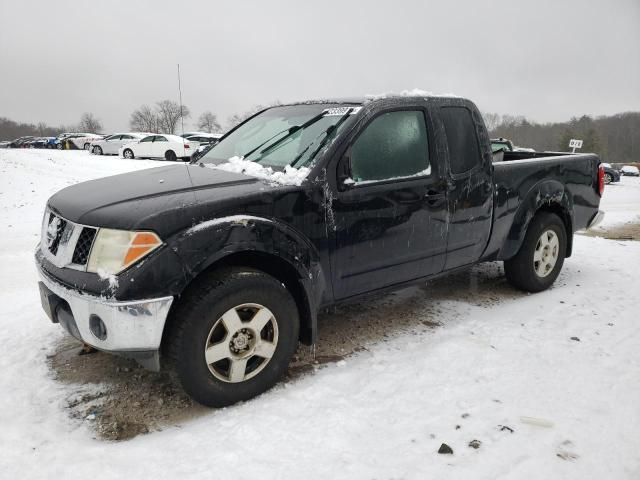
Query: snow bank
{"type": "Point", "coordinates": [290, 175]}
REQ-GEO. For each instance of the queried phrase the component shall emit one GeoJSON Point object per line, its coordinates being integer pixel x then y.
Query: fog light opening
{"type": "Point", "coordinates": [97, 327]}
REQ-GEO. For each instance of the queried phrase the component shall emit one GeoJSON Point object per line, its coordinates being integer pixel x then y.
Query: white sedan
{"type": "Point", "coordinates": [169, 147]}
{"type": "Point", "coordinates": [110, 145]}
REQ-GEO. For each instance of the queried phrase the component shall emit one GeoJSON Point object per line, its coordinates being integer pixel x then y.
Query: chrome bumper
{"type": "Point", "coordinates": [133, 326]}
{"type": "Point", "coordinates": [597, 218]}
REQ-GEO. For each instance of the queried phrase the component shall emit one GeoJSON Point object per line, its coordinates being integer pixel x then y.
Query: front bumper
{"type": "Point", "coordinates": [131, 328]}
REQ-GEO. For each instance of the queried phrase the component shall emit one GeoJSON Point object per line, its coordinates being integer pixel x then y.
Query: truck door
{"type": "Point", "coordinates": [389, 211]}
{"type": "Point", "coordinates": [470, 198]}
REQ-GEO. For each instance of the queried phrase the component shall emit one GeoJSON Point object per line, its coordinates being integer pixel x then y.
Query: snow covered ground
{"type": "Point", "coordinates": [549, 384]}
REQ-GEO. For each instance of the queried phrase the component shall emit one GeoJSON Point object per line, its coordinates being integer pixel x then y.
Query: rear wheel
{"type": "Point", "coordinates": [128, 154]}
{"type": "Point", "coordinates": [170, 156]}
{"type": "Point", "coordinates": [86, 146]}
{"type": "Point", "coordinates": [236, 334]}
{"type": "Point", "coordinates": [97, 150]}
{"type": "Point", "coordinates": [538, 262]}
{"type": "Point", "coordinates": [608, 178]}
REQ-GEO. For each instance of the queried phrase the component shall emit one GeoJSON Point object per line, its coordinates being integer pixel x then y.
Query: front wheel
{"type": "Point", "coordinates": [97, 150]}
{"type": "Point", "coordinates": [608, 178]}
{"type": "Point", "coordinates": [538, 262]}
{"type": "Point", "coordinates": [128, 154]}
{"type": "Point", "coordinates": [170, 156]}
{"type": "Point", "coordinates": [86, 146]}
{"type": "Point", "coordinates": [234, 336]}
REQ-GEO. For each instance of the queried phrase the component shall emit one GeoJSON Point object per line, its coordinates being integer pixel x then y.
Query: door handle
{"type": "Point", "coordinates": [434, 197]}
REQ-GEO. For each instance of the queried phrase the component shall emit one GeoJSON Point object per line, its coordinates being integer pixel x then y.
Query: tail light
{"type": "Point", "coordinates": [600, 179]}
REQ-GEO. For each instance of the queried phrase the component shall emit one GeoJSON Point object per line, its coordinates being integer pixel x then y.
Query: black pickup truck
{"type": "Point", "coordinates": [219, 267]}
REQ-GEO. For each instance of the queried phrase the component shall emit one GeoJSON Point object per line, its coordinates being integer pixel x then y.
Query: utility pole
{"type": "Point", "coordinates": [180, 92]}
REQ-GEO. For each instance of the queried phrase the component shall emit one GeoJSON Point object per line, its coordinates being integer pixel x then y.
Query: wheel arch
{"type": "Point", "coordinates": [286, 256]}
{"type": "Point", "coordinates": [547, 196]}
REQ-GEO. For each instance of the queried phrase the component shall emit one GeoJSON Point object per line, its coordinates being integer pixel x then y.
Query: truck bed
{"type": "Point", "coordinates": [526, 181]}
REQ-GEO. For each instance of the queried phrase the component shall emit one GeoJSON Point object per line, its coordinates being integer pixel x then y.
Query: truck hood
{"type": "Point", "coordinates": [162, 199]}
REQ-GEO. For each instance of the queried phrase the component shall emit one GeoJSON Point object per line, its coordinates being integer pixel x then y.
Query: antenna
{"type": "Point", "coordinates": [180, 92]}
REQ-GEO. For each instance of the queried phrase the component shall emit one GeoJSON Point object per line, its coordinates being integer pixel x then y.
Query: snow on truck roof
{"type": "Point", "coordinates": [360, 100]}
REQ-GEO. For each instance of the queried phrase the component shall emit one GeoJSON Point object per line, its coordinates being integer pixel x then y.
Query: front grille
{"type": "Point", "coordinates": [55, 230]}
{"type": "Point", "coordinates": [83, 246]}
{"type": "Point", "coordinates": [64, 243]}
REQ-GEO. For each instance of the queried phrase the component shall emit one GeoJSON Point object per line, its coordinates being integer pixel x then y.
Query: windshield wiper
{"type": "Point", "coordinates": [289, 131]}
{"type": "Point", "coordinates": [327, 133]}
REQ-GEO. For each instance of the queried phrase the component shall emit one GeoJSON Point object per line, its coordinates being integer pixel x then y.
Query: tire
{"type": "Point", "coordinates": [86, 146]}
{"type": "Point", "coordinates": [523, 271]}
{"type": "Point", "coordinates": [128, 154]}
{"type": "Point", "coordinates": [608, 178]}
{"type": "Point", "coordinates": [170, 156]}
{"type": "Point", "coordinates": [201, 322]}
{"type": "Point", "coordinates": [59, 146]}
{"type": "Point", "coordinates": [97, 150]}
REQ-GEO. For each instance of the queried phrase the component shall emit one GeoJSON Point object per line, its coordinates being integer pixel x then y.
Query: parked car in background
{"type": "Point", "coordinates": [80, 141]}
{"type": "Point", "coordinates": [501, 144]}
{"type": "Point", "coordinates": [4, 144]}
{"type": "Point", "coordinates": [205, 140]}
{"type": "Point", "coordinates": [191, 134]}
{"type": "Point", "coordinates": [20, 142]}
{"type": "Point", "coordinates": [40, 142]}
{"type": "Point", "coordinates": [169, 147]}
{"type": "Point", "coordinates": [630, 171]}
{"type": "Point", "coordinates": [611, 175]}
{"type": "Point", "coordinates": [110, 145]}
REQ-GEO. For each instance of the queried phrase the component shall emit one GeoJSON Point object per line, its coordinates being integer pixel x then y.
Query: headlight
{"type": "Point", "coordinates": [115, 250]}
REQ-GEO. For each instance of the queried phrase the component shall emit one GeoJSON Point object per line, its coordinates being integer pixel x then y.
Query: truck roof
{"type": "Point", "coordinates": [360, 100]}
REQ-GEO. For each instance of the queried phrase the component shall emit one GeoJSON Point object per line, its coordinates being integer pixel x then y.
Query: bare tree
{"type": "Point", "coordinates": [491, 120]}
{"type": "Point", "coordinates": [169, 113]}
{"type": "Point", "coordinates": [237, 118]}
{"type": "Point", "coordinates": [89, 123]}
{"type": "Point", "coordinates": [144, 119]}
{"type": "Point", "coordinates": [208, 122]}
{"type": "Point", "coordinates": [42, 129]}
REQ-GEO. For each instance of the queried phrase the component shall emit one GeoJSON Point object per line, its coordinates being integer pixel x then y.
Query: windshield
{"type": "Point", "coordinates": [496, 146]}
{"type": "Point", "coordinates": [283, 136]}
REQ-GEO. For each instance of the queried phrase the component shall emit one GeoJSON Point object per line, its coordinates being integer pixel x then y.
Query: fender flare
{"type": "Point", "coordinates": [211, 242]}
{"type": "Point", "coordinates": [547, 195]}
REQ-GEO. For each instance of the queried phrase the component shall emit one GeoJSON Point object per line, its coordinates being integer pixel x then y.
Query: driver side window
{"type": "Point", "coordinates": [393, 145]}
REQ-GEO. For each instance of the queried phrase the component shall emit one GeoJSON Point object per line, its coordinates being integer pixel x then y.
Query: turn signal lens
{"type": "Point", "coordinates": [115, 250]}
{"type": "Point", "coordinates": [600, 179]}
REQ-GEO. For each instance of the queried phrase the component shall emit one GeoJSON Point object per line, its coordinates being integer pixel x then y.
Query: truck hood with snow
{"type": "Point", "coordinates": [165, 199]}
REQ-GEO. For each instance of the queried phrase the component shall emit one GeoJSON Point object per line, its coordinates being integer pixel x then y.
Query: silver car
{"type": "Point", "coordinates": [112, 143]}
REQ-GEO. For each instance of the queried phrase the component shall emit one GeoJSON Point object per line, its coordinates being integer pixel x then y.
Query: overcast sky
{"type": "Point", "coordinates": [548, 60]}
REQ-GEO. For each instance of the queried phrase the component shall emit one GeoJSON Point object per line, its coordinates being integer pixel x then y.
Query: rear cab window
{"type": "Point", "coordinates": [462, 140]}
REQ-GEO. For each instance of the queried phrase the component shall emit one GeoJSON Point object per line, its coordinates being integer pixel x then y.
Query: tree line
{"type": "Point", "coordinates": [163, 117]}
{"type": "Point", "coordinates": [10, 130]}
{"type": "Point", "coordinates": [616, 138]}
